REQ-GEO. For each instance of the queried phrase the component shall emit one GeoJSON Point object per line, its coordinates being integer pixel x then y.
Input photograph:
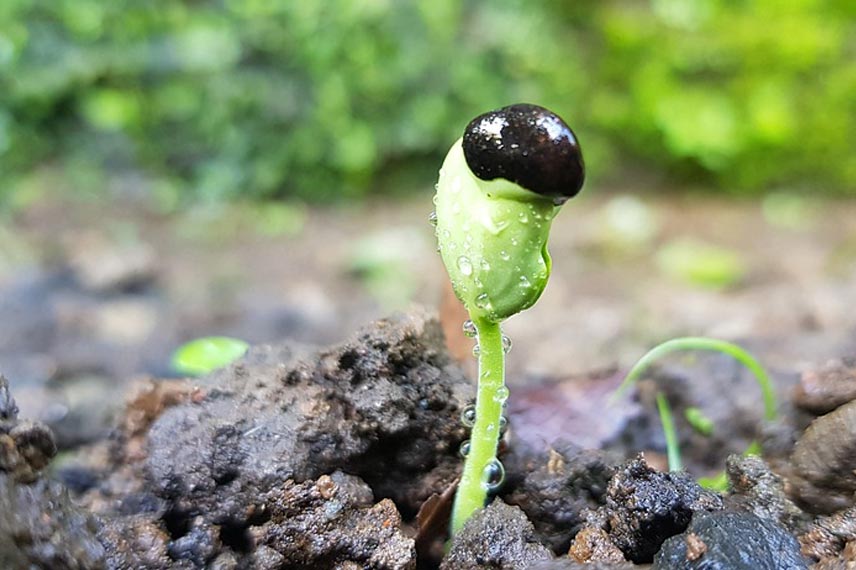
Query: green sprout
{"type": "Point", "coordinates": [204, 355]}
{"type": "Point", "coordinates": [699, 422]}
{"type": "Point", "coordinates": [500, 187]}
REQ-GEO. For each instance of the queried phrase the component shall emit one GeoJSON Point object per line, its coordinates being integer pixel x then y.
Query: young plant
{"type": "Point", "coordinates": [500, 187]}
{"type": "Point", "coordinates": [694, 417]}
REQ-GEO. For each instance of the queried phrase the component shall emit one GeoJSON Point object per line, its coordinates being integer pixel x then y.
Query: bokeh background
{"type": "Point", "coordinates": [340, 98]}
{"type": "Point", "coordinates": [171, 169]}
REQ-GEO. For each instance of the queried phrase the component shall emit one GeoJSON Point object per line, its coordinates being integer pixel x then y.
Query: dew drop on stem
{"type": "Point", "coordinates": [476, 350]}
{"type": "Point", "coordinates": [468, 416]}
{"type": "Point", "coordinates": [493, 475]}
{"type": "Point", "coordinates": [501, 395]}
{"type": "Point", "coordinates": [503, 424]}
{"type": "Point", "coordinates": [506, 344]}
{"type": "Point", "coordinates": [469, 328]}
{"type": "Point", "coordinates": [464, 450]}
{"type": "Point", "coordinates": [432, 218]}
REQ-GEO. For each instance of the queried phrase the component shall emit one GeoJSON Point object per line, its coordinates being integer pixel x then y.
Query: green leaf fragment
{"type": "Point", "coordinates": [204, 355]}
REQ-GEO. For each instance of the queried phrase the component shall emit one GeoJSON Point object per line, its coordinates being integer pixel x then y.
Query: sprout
{"type": "Point", "coordinates": [701, 423]}
{"type": "Point", "coordinates": [500, 187]}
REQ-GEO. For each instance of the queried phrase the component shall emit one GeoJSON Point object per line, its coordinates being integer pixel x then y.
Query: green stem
{"type": "Point", "coordinates": [484, 440]}
{"type": "Point", "coordinates": [710, 344]}
{"type": "Point", "coordinates": [673, 452]}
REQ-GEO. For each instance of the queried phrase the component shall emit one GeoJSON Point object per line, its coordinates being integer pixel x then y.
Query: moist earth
{"type": "Point", "coordinates": [296, 457]}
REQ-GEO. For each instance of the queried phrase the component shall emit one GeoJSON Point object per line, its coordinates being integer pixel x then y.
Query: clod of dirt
{"type": "Point", "coordinates": [384, 406]}
{"type": "Point", "coordinates": [821, 391]}
{"type": "Point", "coordinates": [757, 490]}
{"type": "Point", "coordinates": [557, 487]}
{"type": "Point", "coordinates": [39, 526]}
{"type": "Point", "coordinates": [8, 409]}
{"type": "Point", "coordinates": [330, 523]}
{"type": "Point", "coordinates": [565, 564]}
{"type": "Point", "coordinates": [234, 466]}
{"type": "Point", "coordinates": [730, 541]}
{"type": "Point", "coordinates": [25, 447]}
{"type": "Point", "coordinates": [827, 537]}
{"type": "Point", "coordinates": [592, 545]}
{"type": "Point", "coordinates": [499, 537]}
{"type": "Point", "coordinates": [645, 507]}
{"type": "Point", "coordinates": [824, 462]}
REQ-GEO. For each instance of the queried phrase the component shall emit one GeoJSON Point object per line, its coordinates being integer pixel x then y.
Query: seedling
{"type": "Point", "coordinates": [500, 187]}
{"type": "Point", "coordinates": [694, 416]}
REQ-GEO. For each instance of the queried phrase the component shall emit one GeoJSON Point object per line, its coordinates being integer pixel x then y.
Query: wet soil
{"type": "Point", "coordinates": [303, 455]}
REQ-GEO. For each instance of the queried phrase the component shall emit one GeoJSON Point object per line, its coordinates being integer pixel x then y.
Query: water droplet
{"type": "Point", "coordinates": [503, 424]}
{"type": "Point", "coordinates": [483, 301]}
{"type": "Point", "coordinates": [476, 351]}
{"type": "Point", "coordinates": [524, 282]}
{"type": "Point", "coordinates": [515, 241]}
{"type": "Point", "coordinates": [524, 219]}
{"type": "Point", "coordinates": [447, 234]}
{"type": "Point", "coordinates": [503, 255]}
{"type": "Point", "coordinates": [506, 344]}
{"type": "Point", "coordinates": [432, 218]}
{"type": "Point", "coordinates": [468, 416]}
{"type": "Point", "coordinates": [470, 330]}
{"type": "Point", "coordinates": [485, 266]}
{"type": "Point", "coordinates": [464, 265]}
{"type": "Point", "coordinates": [464, 450]}
{"type": "Point", "coordinates": [493, 475]}
{"type": "Point", "coordinates": [501, 395]}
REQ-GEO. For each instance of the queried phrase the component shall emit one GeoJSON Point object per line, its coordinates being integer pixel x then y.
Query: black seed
{"type": "Point", "coordinates": [527, 145]}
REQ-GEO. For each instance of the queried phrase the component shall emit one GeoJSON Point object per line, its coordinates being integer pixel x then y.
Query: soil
{"type": "Point", "coordinates": [317, 452]}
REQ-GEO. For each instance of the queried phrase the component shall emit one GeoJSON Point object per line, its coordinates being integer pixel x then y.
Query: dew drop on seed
{"type": "Point", "coordinates": [432, 218]}
{"type": "Point", "coordinates": [464, 450]}
{"type": "Point", "coordinates": [503, 255]}
{"type": "Point", "coordinates": [469, 329]}
{"type": "Point", "coordinates": [483, 301]}
{"type": "Point", "coordinates": [464, 265]}
{"type": "Point", "coordinates": [468, 416]}
{"type": "Point", "coordinates": [506, 344]}
{"type": "Point", "coordinates": [493, 475]}
{"type": "Point", "coordinates": [501, 395]}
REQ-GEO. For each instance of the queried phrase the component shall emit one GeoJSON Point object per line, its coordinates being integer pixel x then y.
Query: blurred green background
{"type": "Point", "coordinates": [206, 100]}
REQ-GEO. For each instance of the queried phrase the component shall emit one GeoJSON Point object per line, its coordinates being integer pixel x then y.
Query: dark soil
{"type": "Point", "coordinates": [296, 457]}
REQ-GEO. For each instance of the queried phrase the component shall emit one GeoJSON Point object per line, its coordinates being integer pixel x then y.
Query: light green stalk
{"type": "Point", "coordinates": [673, 450]}
{"type": "Point", "coordinates": [492, 393]}
{"type": "Point", "coordinates": [709, 344]}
